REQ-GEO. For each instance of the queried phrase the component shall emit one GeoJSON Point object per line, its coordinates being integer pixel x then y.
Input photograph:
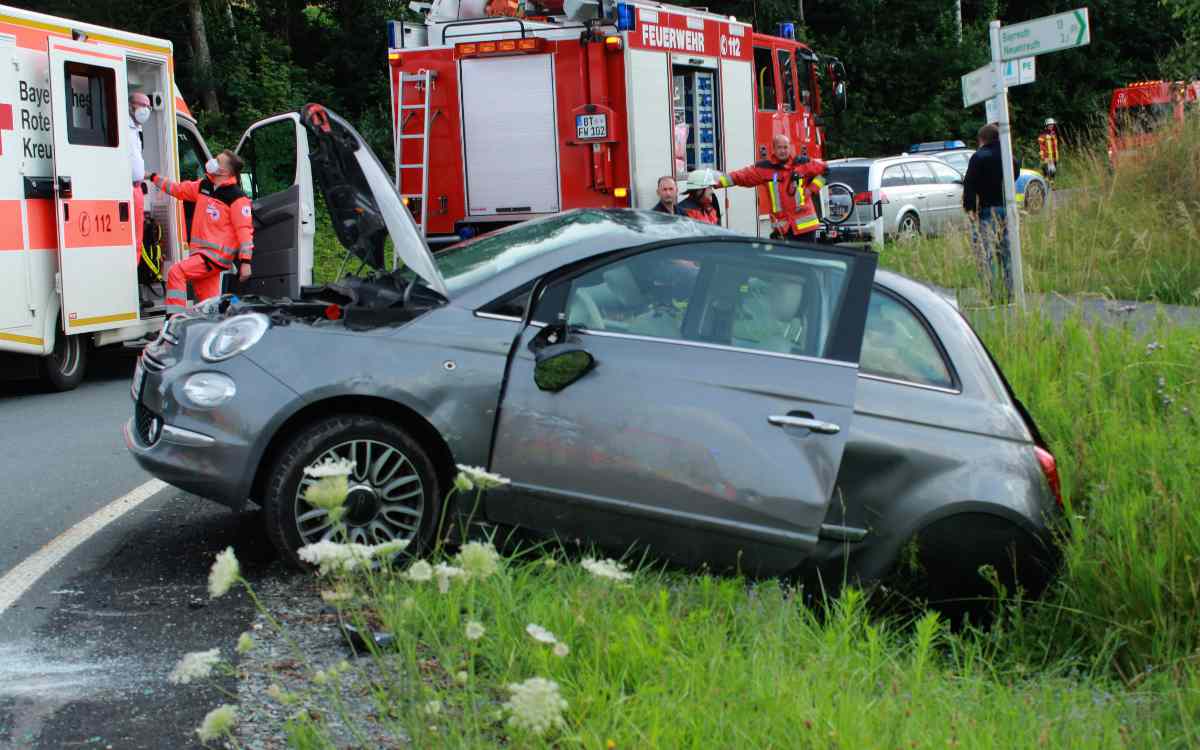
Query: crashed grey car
{"type": "Point", "coordinates": [642, 379]}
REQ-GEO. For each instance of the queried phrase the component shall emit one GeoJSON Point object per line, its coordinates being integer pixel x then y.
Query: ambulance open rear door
{"type": "Point", "coordinates": [93, 187]}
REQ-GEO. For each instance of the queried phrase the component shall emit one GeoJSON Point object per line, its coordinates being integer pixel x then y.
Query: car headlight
{"type": "Point", "coordinates": [234, 336]}
{"type": "Point", "coordinates": [209, 389]}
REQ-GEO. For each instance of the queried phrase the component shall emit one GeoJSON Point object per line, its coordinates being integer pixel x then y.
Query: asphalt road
{"type": "Point", "coordinates": [85, 652]}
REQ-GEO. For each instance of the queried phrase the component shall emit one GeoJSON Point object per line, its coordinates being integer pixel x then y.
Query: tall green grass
{"type": "Point", "coordinates": [1128, 234]}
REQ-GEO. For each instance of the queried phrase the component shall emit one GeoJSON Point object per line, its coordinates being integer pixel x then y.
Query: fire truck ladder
{"type": "Point", "coordinates": [424, 82]}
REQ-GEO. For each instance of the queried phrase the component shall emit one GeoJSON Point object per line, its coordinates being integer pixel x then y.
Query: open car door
{"type": "Point", "coordinates": [695, 396]}
{"type": "Point", "coordinates": [277, 177]}
{"type": "Point", "coordinates": [93, 187]}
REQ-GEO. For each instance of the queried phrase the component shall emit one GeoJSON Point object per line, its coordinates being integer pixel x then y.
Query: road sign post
{"type": "Point", "coordinates": [1014, 50]}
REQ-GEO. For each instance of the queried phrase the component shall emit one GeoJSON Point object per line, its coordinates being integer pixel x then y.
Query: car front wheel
{"type": "Point", "coordinates": [1035, 198]}
{"type": "Point", "coordinates": [394, 492]}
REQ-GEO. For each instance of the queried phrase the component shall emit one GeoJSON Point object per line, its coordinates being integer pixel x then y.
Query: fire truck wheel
{"type": "Point", "coordinates": [910, 227]}
{"type": "Point", "coordinates": [64, 367]}
{"type": "Point", "coordinates": [394, 492]}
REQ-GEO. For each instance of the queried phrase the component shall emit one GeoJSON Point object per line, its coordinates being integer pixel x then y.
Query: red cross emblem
{"type": "Point", "coordinates": [6, 123]}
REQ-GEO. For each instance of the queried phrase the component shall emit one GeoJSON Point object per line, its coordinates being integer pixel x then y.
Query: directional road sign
{"type": "Point", "coordinates": [1046, 34]}
{"type": "Point", "coordinates": [978, 85]}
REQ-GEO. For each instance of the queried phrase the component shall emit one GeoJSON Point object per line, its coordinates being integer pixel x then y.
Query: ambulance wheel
{"type": "Point", "coordinates": [394, 490]}
{"type": "Point", "coordinates": [64, 367]}
{"type": "Point", "coordinates": [910, 227]}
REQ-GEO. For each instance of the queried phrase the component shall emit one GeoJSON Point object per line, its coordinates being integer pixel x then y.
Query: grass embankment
{"type": "Point", "coordinates": [1128, 234]}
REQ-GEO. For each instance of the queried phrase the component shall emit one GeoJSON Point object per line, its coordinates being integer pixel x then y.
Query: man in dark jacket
{"type": "Point", "coordinates": [668, 196]}
{"type": "Point", "coordinates": [983, 200]}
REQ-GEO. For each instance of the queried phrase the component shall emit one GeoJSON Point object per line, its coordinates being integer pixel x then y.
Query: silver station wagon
{"type": "Point", "coordinates": [642, 379]}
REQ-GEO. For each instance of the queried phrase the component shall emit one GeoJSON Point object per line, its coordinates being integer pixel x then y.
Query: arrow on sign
{"type": "Point", "coordinates": [1046, 34]}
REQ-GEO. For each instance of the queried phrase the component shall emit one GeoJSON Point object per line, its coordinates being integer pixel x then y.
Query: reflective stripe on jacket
{"type": "Point", "coordinates": [1048, 147]}
{"type": "Point", "coordinates": [223, 226]}
{"type": "Point", "coordinates": [791, 190]}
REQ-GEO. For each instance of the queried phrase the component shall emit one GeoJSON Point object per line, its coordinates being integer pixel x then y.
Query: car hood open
{"type": "Point", "coordinates": [363, 202]}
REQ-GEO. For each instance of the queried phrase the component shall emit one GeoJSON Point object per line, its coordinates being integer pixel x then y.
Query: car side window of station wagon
{"type": "Point", "coordinates": [763, 297]}
{"type": "Point", "coordinates": [897, 345]}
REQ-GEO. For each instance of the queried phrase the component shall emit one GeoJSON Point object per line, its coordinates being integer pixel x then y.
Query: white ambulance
{"type": "Point", "coordinates": [68, 269]}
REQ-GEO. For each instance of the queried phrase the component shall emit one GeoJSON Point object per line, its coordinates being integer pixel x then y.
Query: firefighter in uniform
{"type": "Point", "coordinates": [700, 203]}
{"type": "Point", "coordinates": [791, 183]}
{"type": "Point", "coordinates": [222, 230]}
{"type": "Point", "coordinates": [1048, 148]}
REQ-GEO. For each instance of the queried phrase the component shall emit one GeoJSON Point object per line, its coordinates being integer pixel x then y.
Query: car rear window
{"type": "Point", "coordinates": [855, 177]}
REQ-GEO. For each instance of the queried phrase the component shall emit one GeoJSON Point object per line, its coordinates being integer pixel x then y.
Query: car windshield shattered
{"type": "Point", "coordinates": [479, 259]}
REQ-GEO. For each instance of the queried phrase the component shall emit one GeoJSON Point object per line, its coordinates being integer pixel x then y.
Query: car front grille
{"type": "Point", "coordinates": [148, 425]}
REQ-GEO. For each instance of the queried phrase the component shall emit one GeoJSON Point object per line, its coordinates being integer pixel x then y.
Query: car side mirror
{"type": "Point", "coordinates": [558, 365]}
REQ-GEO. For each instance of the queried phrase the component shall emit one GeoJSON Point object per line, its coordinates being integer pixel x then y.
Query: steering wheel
{"type": "Point", "coordinates": [583, 311]}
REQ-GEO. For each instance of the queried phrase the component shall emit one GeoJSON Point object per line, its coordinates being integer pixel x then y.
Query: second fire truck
{"type": "Point", "coordinates": [500, 118]}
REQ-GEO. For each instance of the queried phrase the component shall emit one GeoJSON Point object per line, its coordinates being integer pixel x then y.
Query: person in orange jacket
{"type": "Point", "coordinates": [700, 203]}
{"type": "Point", "coordinates": [1048, 148]}
{"type": "Point", "coordinates": [791, 182]}
{"type": "Point", "coordinates": [222, 230]}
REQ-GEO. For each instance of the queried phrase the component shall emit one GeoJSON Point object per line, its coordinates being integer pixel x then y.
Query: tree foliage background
{"type": "Point", "coordinates": [903, 58]}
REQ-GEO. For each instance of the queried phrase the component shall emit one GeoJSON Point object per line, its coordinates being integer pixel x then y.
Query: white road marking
{"type": "Point", "coordinates": [19, 580]}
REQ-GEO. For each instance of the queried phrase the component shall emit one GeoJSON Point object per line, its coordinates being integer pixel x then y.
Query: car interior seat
{"type": "Point", "coordinates": [785, 328]}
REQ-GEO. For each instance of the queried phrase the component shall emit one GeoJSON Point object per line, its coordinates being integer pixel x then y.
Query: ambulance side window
{"type": "Point", "coordinates": [764, 79]}
{"type": "Point", "coordinates": [270, 157]}
{"type": "Point", "coordinates": [91, 105]}
{"type": "Point", "coordinates": [191, 156]}
{"type": "Point", "coordinates": [789, 83]}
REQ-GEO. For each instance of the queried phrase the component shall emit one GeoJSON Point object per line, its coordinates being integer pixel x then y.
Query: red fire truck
{"type": "Point", "coordinates": [1138, 110]}
{"type": "Point", "coordinates": [586, 103]}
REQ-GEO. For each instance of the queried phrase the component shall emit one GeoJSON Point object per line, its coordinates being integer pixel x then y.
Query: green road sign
{"type": "Point", "coordinates": [1047, 34]}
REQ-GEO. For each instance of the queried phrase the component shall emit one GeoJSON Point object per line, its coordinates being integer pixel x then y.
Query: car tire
{"type": "Point", "coordinates": [66, 365]}
{"type": "Point", "coordinates": [1035, 198]}
{"type": "Point", "coordinates": [909, 228]}
{"type": "Point", "coordinates": [386, 456]}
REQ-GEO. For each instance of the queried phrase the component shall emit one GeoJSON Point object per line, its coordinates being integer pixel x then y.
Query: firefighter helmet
{"type": "Point", "coordinates": [698, 179]}
{"type": "Point", "coordinates": [1049, 121]}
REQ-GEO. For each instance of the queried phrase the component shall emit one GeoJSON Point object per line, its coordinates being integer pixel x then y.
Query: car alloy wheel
{"type": "Point", "coordinates": [393, 493]}
{"type": "Point", "coordinates": [385, 502]}
{"type": "Point", "coordinates": [910, 228]}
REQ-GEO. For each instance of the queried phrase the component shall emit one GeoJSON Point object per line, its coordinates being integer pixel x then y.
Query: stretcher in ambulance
{"type": "Point", "coordinates": [69, 271]}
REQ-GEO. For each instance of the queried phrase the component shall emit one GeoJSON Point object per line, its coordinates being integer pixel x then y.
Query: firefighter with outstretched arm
{"type": "Point", "coordinates": [791, 182]}
{"type": "Point", "coordinates": [222, 230]}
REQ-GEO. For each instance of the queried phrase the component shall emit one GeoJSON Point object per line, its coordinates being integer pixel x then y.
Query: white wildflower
{"type": "Point", "coordinates": [561, 649]}
{"type": "Point", "coordinates": [408, 604]}
{"type": "Point", "coordinates": [433, 708]}
{"type": "Point", "coordinates": [474, 630]}
{"type": "Point", "coordinates": [461, 677]}
{"type": "Point", "coordinates": [194, 666]}
{"type": "Point", "coordinates": [479, 559]}
{"type": "Point", "coordinates": [463, 483]}
{"type": "Point", "coordinates": [444, 573]}
{"type": "Point", "coordinates": [321, 677]}
{"type": "Point", "coordinates": [606, 569]}
{"type": "Point", "coordinates": [218, 723]}
{"type": "Point", "coordinates": [224, 573]}
{"type": "Point", "coordinates": [483, 479]}
{"type": "Point", "coordinates": [540, 634]}
{"type": "Point", "coordinates": [329, 494]}
{"type": "Point", "coordinates": [420, 571]}
{"type": "Point", "coordinates": [330, 467]}
{"type": "Point", "coordinates": [535, 705]}
{"type": "Point", "coordinates": [333, 596]}
{"type": "Point", "coordinates": [335, 556]}
{"type": "Point", "coordinates": [245, 643]}
{"type": "Point", "coordinates": [549, 562]}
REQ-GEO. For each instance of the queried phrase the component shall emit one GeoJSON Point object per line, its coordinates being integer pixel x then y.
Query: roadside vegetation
{"type": "Point", "coordinates": [1128, 233]}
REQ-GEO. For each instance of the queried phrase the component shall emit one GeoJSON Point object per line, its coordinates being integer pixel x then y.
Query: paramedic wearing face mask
{"type": "Point", "coordinates": [139, 113]}
{"type": "Point", "coordinates": [222, 231]}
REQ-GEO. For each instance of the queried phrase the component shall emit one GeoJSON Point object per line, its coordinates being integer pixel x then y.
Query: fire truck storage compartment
{"type": "Point", "coordinates": [695, 115]}
{"type": "Point", "coordinates": [510, 135]}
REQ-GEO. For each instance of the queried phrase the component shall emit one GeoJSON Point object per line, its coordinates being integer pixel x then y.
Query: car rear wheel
{"type": "Point", "coordinates": [65, 366]}
{"type": "Point", "coordinates": [1035, 197]}
{"type": "Point", "coordinates": [394, 492]}
{"type": "Point", "coordinates": [910, 227]}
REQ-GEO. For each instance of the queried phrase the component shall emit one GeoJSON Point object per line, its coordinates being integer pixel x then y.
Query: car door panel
{"type": "Point", "coordinates": [697, 447]}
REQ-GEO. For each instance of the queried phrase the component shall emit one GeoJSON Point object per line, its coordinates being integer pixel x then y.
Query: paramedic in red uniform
{"type": "Point", "coordinates": [791, 184]}
{"type": "Point", "coordinates": [222, 230]}
{"type": "Point", "coordinates": [139, 112]}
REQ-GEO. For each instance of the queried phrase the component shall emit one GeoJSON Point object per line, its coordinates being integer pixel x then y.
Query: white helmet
{"type": "Point", "coordinates": [1050, 121]}
{"type": "Point", "coordinates": [699, 179]}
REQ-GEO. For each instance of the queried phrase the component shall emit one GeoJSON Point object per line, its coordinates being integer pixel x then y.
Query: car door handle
{"type": "Point", "coordinates": [808, 423]}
